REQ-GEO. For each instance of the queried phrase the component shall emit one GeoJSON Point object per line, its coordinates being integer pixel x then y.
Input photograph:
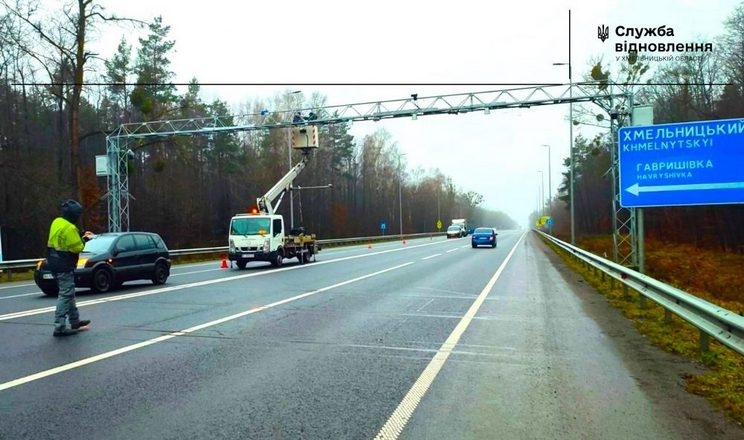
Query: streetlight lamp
{"type": "Point", "coordinates": [570, 130]}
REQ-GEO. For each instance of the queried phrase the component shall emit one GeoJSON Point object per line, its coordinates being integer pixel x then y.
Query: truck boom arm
{"type": "Point", "coordinates": [265, 203]}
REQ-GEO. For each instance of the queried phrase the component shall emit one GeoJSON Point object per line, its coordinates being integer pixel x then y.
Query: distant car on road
{"type": "Point", "coordinates": [455, 231]}
{"type": "Point", "coordinates": [112, 258]}
{"type": "Point", "coordinates": [484, 237]}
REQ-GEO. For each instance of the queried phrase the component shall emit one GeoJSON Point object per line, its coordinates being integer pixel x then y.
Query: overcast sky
{"type": "Point", "coordinates": [292, 42]}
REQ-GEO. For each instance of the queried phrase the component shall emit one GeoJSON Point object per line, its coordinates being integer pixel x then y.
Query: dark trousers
{"type": "Point", "coordinates": [66, 307]}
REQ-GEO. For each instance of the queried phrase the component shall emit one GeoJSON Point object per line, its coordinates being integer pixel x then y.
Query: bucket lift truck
{"type": "Point", "coordinates": [261, 234]}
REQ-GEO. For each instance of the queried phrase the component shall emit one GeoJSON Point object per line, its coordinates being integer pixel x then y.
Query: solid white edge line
{"type": "Point", "coordinates": [395, 424]}
{"type": "Point", "coordinates": [118, 351]}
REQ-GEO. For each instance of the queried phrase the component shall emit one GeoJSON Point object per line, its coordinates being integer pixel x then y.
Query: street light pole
{"type": "Point", "coordinates": [570, 132]}
{"type": "Point", "coordinates": [550, 186]}
{"type": "Point", "coordinates": [400, 199]}
{"type": "Point", "coordinates": [289, 155]}
{"type": "Point", "coordinates": [542, 192]}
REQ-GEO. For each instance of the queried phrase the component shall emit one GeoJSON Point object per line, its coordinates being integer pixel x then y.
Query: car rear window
{"type": "Point", "coordinates": [144, 242]}
{"type": "Point", "coordinates": [159, 243]}
{"type": "Point", "coordinates": [483, 231]}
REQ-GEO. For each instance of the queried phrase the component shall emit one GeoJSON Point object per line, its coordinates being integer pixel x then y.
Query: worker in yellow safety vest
{"type": "Point", "coordinates": [63, 248]}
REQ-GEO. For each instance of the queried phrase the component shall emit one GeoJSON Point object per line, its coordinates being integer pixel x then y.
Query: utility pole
{"type": "Point", "coordinates": [400, 193]}
{"type": "Point", "coordinates": [289, 155]}
{"type": "Point", "coordinates": [570, 132]}
{"type": "Point", "coordinates": [550, 186]}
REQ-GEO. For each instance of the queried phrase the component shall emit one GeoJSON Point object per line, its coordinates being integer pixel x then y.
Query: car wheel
{"type": "Point", "coordinates": [277, 259]}
{"type": "Point", "coordinates": [474, 246]}
{"type": "Point", "coordinates": [160, 274]}
{"type": "Point", "coordinates": [50, 291]}
{"type": "Point", "coordinates": [102, 280]}
{"type": "Point", "coordinates": [241, 264]}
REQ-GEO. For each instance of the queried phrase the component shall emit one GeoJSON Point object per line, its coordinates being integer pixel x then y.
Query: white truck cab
{"type": "Point", "coordinates": [256, 237]}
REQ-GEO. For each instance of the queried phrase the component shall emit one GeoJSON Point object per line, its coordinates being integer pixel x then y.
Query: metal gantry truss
{"type": "Point", "coordinates": [452, 104]}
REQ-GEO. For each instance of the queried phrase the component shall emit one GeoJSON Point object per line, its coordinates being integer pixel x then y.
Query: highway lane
{"type": "Point", "coordinates": [12, 293]}
{"type": "Point", "coordinates": [201, 296]}
{"type": "Point", "coordinates": [330, 350]}
{"type": "Point", "coordinates": [22, 296]}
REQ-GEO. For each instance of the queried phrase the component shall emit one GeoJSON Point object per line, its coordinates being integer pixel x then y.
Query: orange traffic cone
{"type": "Point", "coordinates": [369, 245]}
{"type": "Point", "coordinates": [224, 263]}
{"type": "Point", "coordinates": [404, 242]}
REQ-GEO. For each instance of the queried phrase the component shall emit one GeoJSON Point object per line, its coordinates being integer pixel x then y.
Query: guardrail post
{"type": "Point", "coordinates": [642, 302]}
{"type": "Point", "coordinates": [704, 341]}
{"type": "Point", "coordinates": [626, 295]}
{"type": "Point", "coordinates": [667, 316]}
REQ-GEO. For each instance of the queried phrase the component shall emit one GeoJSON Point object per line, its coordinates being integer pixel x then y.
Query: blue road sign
{"type": "Point", "coordinates": [692, 163]}
{"type": "Point", "coordinates": [383, 226]}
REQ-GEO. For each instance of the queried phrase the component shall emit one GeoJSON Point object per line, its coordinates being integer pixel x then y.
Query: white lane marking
{"type": "Point", "coordinates": [452, 250]}
{"type": "Point", "coordinates": [195, 271]}
{"type": "Point", "coordinates": [20, 295]}
{"type": "Point", "coordinates": [394, 425]}
{"type": "Point", "coordinates": [16, 285]}
{"type": "Point", "coordinates": [122, 350]}
{"type": "Point", "coordinates": [431, 256]}
{"type": "Point", "coordinates": [202, 283]}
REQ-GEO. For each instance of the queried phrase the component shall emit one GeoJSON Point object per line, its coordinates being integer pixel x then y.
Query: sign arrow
{"type": "Point", "coordinates": [635, 189]}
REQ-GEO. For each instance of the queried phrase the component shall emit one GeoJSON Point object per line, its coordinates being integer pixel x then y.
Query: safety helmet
{"type": "Point", "coordinates": [71, 210]}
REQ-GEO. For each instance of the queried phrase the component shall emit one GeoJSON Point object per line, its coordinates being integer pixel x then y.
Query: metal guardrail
{"type": "Point", "coordinates": [30, 264]}
{"type": "Point", "coordinates": [711, 320]}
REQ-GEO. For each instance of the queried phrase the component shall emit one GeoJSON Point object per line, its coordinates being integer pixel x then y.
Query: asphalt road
{"type": "Point", "coordinates": [424, 339]}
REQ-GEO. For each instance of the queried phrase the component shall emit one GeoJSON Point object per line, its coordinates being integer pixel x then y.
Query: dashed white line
{"type": "Point", "coordinates": [20, 295]}
{"type": "Point", "coordinates": [431, 256]}
{"type": "Point", "coordinates": [14, 286]}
